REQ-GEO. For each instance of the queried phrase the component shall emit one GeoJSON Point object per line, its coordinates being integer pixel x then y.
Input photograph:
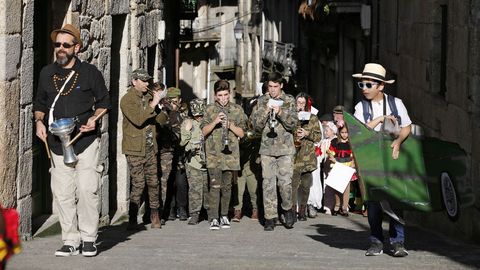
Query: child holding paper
{"type": "Point", "coordinates": [341, 152]}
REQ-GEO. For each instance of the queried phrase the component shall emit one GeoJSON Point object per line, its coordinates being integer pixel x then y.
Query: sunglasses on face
{"type": "Point", "coordinates": [64, 45]}
{"type": "Point", "coordinates": [367, 85]}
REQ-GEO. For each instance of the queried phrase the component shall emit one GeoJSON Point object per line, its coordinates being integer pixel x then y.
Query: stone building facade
{"type": "Point", "coordinates": [118, 36]}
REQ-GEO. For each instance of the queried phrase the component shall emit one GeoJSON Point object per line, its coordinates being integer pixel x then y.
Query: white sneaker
{"type": "Point", "coordinates": [214, 225]}
{"type": "Point", "coordinates": [224, 223]}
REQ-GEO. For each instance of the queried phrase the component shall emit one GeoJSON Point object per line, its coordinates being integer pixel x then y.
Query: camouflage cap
{"type": "Point", "coordinates": [140, 74]}
{"type": "Point", "coordinates": [338, 109]}
{"type": "Point", "coordinates": [197, 106]}
{"type": "Point", "coordinates": [173, 92]}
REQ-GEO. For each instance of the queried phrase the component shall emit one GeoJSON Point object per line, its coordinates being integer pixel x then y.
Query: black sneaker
{"type": "Point", "coordinates": [214, 226]}
{"type": "Point", "coordinates": [66, 251]}
{"type": "Point", "coordinates": [89, 249]}
{"type": "Point", "coordinates": [375, 249]}
{"type": "Point", "coordinates": [399, 250]}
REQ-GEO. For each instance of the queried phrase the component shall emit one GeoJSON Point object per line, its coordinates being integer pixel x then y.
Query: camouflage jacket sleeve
{"type": "Point", "coordinates": [185, 135]}
{"type": "Point", "coordinates": [313, 128]}
{"type": "Point", "coordinates": [259, 115]}
{"type": "Point", "coordinates": [288, 117]}
{"type": "Point", "coordinates": [133, 109]}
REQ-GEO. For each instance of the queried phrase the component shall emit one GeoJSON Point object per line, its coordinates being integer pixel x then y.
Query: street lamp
{"type": "Point", "coordinates": [238, 30]}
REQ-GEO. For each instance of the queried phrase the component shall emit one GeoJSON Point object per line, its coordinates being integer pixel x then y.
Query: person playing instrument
{"type": "Point", "coordinates": [82, 95]}
{"type": "Point", "coordinates": [372, 83]}
{"type": "Point", "coordinates": [307, 133]}
{"type": "Point", "coordinates": [140, 111]}
{"type": "Point", "coordinates": [276, 123]}
{"type": "Point", "coordinates": [223, 121]}
{"type": "Point", "coordinates": [173, 181]}
{"type": "Point", "coordinates": [197, 176]}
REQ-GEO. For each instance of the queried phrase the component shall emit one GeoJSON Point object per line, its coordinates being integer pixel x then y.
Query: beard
{"type": "Point", "coordinates": [64, 59]}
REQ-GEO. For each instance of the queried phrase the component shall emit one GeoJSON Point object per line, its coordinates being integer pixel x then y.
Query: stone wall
{"type": "Point", "coordinates": [410, 47]}
{"type": "Point", "coordinates": [94, 18]}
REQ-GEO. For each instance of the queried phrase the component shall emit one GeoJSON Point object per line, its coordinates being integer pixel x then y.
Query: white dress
{"type": "Point", "coordinates": [317, 189]}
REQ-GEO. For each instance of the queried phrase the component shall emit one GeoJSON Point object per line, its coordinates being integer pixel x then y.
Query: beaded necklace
{"type": "Point", "coordinates": [57, 78]}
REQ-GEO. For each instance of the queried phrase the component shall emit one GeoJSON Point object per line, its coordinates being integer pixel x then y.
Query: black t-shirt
{"type": "Point", "coordinates": [84, 93]}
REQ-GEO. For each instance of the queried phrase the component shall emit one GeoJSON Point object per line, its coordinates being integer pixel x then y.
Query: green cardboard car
{"type": "Point", "coordinates": [429, 175]}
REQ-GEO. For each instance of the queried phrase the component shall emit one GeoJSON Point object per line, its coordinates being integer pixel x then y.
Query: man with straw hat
{"type": "Point", "coordinates": [375, 110]}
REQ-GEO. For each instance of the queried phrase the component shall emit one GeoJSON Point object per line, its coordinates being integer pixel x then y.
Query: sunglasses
{"type": "Point", "coordinates": [64, 45]}
{"type": "Point", "coordinates": [367, 85]}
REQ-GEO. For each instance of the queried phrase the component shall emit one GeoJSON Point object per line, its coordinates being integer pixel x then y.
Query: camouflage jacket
{"type": "Point", "coordinates": [305, 158]}
{"type": "Point", "coordinates": [193, 142]}
{"type": "Point", "coordinates": [169, 128]}
{"type": "Point", "coordinates": [213, 141]}
{"type": "Point", "coordinates": [283, 143]}
{"type": "Point", "coordinates": [138, 118]}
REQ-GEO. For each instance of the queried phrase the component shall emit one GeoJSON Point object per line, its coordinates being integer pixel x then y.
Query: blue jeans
{"type": "Point", "coordinates": [375, 215]}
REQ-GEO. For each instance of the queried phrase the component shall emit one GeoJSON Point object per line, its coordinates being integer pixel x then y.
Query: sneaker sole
{"type": "Point", "coordinates": [215, 229]}
{"type": "Point", "coordinates": [374, 254]}
{"type": "Point", "coordinates": [225, 227]}
{"type": "Point", "coordinates": [89, 254]}
{"type": "Point", "coordinates": [66, 254]}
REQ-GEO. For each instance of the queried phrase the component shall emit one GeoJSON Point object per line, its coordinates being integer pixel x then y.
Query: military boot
{"type": "Point", "coordinates": [132, 217]}
{"type": "Point", "coordinates": [302, 213]}
{"type": "Point", "coordinates": [289, 219]}
{"type": "Point", "coordinates": [155, 219]}
{"type": "Point", "coordinates": [269, 225]}
{"type": "Point", "coordinates": [194, 218]}
{"type": "Point", "coordinates": [294, 210]}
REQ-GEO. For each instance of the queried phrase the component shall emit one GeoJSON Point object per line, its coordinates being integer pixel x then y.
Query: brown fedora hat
{"type": "Point", "coordinates": [373, 71]}
{"type": "Point", "coordinates": [69, 29]}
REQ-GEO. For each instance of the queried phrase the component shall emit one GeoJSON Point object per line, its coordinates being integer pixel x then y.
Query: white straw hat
{"type": "Point", "coordinates": [373, 71]}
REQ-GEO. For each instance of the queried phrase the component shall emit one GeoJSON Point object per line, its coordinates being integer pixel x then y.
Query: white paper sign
{"type": "Point", "coordinates": [339, 177]}
{"type": "Point", "coordinates": [304, 116]}
{"type": "Point", "coordinates": [275, 102]}
{"type": "Point", "coordinates": [314, 110]}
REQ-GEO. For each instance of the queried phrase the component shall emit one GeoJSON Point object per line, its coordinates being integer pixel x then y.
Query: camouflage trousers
{"type": "Point", "coordinates": [166, 159]}
{"type": "Point", "coordinates": [247, 178]}
{"type": "Point", "coordinates": [274, 168]}
{"type": "Point", "coordinates": [301, 183]}
{"type": "Point", "coordinates": [144, 169]}
{"type": "Point", "coordinates": [220, 192]}
{"type": "Point", "coordinates": [197, 189]}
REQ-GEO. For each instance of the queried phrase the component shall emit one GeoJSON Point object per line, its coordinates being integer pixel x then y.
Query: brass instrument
{"type": "Point", "coordinates": [225, 139]}
{"type": "Point", "coordinates": [302, 121]}
{"type": "Point", "coordinates": [272, 122]}
{"type": "Point", "coordinates": [164, 100]}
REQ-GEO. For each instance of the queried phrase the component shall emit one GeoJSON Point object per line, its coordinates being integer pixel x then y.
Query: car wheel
{"type": "Point", "coordinates": [449, 196]}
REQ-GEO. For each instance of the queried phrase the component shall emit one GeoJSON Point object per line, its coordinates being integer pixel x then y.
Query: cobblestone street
{"type": "Point", "coordinates": [325, 242]}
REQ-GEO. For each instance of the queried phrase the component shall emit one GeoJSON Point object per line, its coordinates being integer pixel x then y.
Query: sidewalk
{"type": "Point", "coordinates": [325, 242]}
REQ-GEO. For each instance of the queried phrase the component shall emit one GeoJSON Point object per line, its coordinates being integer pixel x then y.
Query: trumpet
{"type": "Point", "coordinates": [164, 100]}
{"type": "Point", "coordinates": [225, 139]}
{"type": "Point", "coordinates": [272, 122]}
